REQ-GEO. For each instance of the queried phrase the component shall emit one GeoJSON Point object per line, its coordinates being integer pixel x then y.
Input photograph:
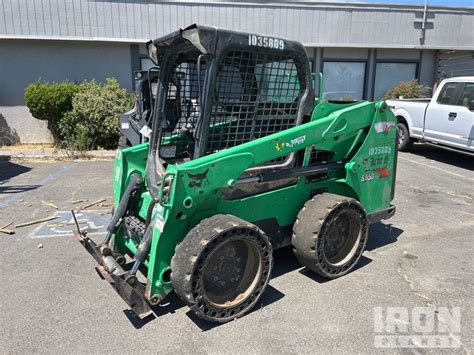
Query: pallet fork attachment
{"type": "Point", "coordinates": [111, 270]}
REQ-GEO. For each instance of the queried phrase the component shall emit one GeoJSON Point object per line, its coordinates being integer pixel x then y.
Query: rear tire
{"type": "Point", "coordinates": [330, 234]}
{"type": "Point", "coordinates": [405, 142]}
{"type": "Point", "coordinates": [222, 267]}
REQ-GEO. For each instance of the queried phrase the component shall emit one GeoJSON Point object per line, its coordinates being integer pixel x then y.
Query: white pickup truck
{"type": "Point", "coordinates": [446, 120]}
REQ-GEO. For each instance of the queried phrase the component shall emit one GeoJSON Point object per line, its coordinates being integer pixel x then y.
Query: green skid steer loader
{"type": "Point", "coordinates": [240, 163]}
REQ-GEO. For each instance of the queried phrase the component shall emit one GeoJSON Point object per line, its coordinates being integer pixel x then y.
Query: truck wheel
{"type": "Point", "coordinates": [222, 267]}
{"type": "Point", "coordinates": [404, 141]}
{"type": "Point", "coordinates": [330, 234]}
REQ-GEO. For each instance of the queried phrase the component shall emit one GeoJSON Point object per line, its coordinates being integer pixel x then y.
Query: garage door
{"type": "Point", "coordinates": [455, 63]}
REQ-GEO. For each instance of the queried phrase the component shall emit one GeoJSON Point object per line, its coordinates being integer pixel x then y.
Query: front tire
{"type": "Point", "coordinates": [330, 234]}
{"type": "Point", "coordinates": [222, 267]}
{"type": "Point", "coordinates": [405, 142]}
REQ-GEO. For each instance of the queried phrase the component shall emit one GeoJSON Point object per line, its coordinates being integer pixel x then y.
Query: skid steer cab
{"type": "Point", "coordinates": [136, 124]}
{"type": "Point", "coordinates": [242, 161]}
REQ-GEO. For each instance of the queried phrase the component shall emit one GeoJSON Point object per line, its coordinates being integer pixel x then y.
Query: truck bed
{"type": "Point", "coordinates": [412, 111]}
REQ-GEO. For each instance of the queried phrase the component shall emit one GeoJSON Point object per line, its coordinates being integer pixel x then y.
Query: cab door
{"type": "Point", "coordinates": [449, 118]}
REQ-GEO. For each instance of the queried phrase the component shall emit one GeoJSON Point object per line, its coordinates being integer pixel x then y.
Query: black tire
{"type": "Point", "coordinates": [330, 234]}
{"type": "Point", "coordinates": [222, 267]}
{"type": "Point", "coordinates": [405, 142]}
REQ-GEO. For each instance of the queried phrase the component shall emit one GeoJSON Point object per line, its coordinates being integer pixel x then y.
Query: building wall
{"type": "Point", "coordinates": [55, 40]}
{"type": "Point", "coordinates": [25, 61]}
{"type": "Point", "coordinates": [312, 23]}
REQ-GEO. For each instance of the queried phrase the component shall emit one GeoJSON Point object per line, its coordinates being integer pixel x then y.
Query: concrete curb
{"type": "Point", "coordinates": [52, 154]}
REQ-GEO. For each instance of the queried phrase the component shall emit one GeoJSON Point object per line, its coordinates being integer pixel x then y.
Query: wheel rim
{"type": "Point", "coordinates": [342, 238]}
{"type": "Point", "coordinates": [231, 272]}
{"type": "Point", "coordinates": [401, 136]}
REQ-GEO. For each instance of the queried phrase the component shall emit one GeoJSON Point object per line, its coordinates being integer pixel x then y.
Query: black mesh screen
{"type": "Point", "coordinates": [256, 94]}
{"type": "Point", "coordinates": [181, 105]}
{"type": "Point", "coordinates": [320, 156]}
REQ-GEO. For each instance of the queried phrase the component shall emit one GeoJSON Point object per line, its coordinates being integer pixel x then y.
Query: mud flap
{"type": "Point", "coordinates": [131, 291]}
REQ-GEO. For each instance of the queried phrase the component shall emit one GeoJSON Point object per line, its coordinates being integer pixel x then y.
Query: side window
{"type": "Point", "coordinates": [447, 93]}
{"type": "Point", "coordinates": [257, 93]}
{"type": "Point", "coordinates": [467, 97]}
{"type": "Point", "coordinates": [278, 81]}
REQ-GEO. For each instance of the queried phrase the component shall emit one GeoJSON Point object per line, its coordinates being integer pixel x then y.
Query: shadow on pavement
{"type": "Point", "coordinates": [173, 303]}
{"type": "Point", "coordinates": [9, 169]}
{"type": "Point", "coordinates": [363, 261]}
{"type": "Point", "coordinates": [8, 136]}
{"type": "Point", "coordinates": [284, 261]}
{"type": "Point", "coordinates": [380, 234]}
{"type": "Point", "coordinates": [17, 188]}
{"type": "Point", "coordinates": [169, 305]}
{"type": "Point", "coordinates": [270, 296]}
{"type": "Point", "coordinates": [444, 156]}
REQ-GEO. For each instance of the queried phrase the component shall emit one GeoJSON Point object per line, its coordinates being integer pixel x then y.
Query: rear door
{"type": "Point", "coordinates": [465, 128]}
{"type": "Point", "coordinates": [449, 116]}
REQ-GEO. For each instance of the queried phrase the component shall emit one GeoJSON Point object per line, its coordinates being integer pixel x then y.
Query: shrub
{"type": "Point", "coordinates": [50, 101]}
{"type": "Point", "coordinates": [94, 119]}
{"type": "Point", "coordinates": [408, 90]}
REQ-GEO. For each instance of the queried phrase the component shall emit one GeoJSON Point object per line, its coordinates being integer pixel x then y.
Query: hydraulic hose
{"type": "Point", "coordinates": [133, 185]}
{"type": "Point", "coordinates": [143, 249]}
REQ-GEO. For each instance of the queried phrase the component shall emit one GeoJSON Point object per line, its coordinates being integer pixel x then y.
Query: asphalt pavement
{"type": "Point", "coordinates": [52, 300]}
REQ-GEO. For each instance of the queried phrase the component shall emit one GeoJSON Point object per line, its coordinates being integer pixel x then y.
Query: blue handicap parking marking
{"type": "Point", "coordinates": [94, 223]}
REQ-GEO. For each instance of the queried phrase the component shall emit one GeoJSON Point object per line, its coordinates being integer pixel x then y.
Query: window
{"type": "Point", "coordinates": [467, 97]}
{"type": "Point", "coordinates": [278, 81]}
{"type": "Point", "coordinates": [446, 95]}
{"type": "Point", "coordinates": [257, 94]}
{"type": "Point", "coordinates": [181, 107]}
{"type": "Point", "coordinates": [387, 75]}
{"type": "Point", "coordinates": [343, 80]}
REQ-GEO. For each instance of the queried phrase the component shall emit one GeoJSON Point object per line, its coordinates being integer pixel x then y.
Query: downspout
{"type": "Point", "coordinates": [423, 23]}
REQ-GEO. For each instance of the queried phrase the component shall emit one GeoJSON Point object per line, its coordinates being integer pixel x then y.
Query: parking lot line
{"type": "Point", "coordinates": [437, 168]}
